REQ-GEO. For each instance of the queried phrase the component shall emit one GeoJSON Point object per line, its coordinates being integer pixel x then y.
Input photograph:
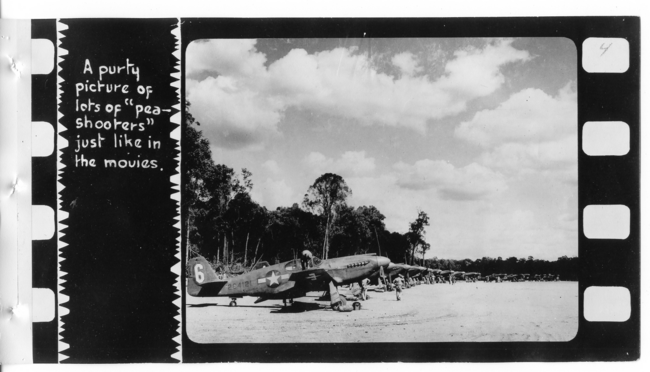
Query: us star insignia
{"type": "Point", "coordinates": [273, 279]}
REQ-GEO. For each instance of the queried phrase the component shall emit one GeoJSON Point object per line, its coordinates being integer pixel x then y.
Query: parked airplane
{"type": "Point", "coordinates": [284, 281]}
{"type": "Point", "coordinates": [389, 273]}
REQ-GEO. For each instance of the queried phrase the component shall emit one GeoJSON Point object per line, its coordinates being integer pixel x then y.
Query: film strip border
{"type": "Point", "coordinates": [48, 218]}
{"type": "Point", "coordinates": [61, 215]}
{"type": "Point", "coordinates": [175, 179]}
{"type": "Point", "coordinates": [609, 197]}
{"type": "Point", "coordinates": [44, 193]}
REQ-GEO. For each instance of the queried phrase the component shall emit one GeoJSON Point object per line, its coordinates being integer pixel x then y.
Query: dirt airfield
{"type": "Point", "coordinates": [525, 311]}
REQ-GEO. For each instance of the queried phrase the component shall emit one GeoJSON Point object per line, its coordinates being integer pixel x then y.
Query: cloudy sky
{"type": "Point", "coordinates": [479, 133]}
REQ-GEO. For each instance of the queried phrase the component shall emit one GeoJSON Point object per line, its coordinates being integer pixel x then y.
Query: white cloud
{"type": "Point", "coordinates": [350, 163]}
{"type": "Point", "coordinates": [530, 132]}
{"type": "Point", "coordinates": [527, 116]}
{"type": "Point", "coordinates": [229, 57]}
{"type": "Point", "coordinates": [407, 63]}
{"type": "Point", "coordinates": [550, 156]}
{"type": "Point", "coordinates": [398, 204]}
{"type": "Point", "coordinates": [273, 193]}
{"type": "Point", "coordinates": [425, 185]}
{"type": "Point", "coordinates": [494, 226]}
{"type": "Point", "coordinates": [476, 72]}
{"type": "Point", "coordinates": [247, 100]}
{"type": "Point", "coordinates": [470, 182]}
{"type": "Point", "coordinates": [232, 117]}
{"type": "Point", "coordinates": [272, 167]}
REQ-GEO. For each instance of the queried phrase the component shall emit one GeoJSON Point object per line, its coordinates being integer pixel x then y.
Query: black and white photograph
{"type": "Point", "coordinates": [381, 190]}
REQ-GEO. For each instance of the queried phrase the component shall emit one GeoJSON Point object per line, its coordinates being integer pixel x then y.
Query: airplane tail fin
{"type": "Point", "coordinates": [200, 273]}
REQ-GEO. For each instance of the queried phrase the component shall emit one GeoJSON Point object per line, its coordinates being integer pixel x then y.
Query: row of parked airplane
{"type": "Point", "coordinates": [292, 279]}
{"type": "Point", "coordinates": [521, 277]}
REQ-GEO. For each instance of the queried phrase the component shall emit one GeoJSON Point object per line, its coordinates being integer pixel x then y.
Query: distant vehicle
{"type": "Point", "coordinates": [522, 277]}
{"type": "Point", "coordinates": [495, 277]}
{"type": "Point", "coordinates": [511, 278]}
{"type": "Point", "coordinates": [284, 281]}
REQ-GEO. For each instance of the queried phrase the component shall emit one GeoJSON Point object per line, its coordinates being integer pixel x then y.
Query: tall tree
{"type": "Point", "coordinates": [424, 247]}
{"type": "Point", "coordinates": [246, 219]}
{"type": "Point", "coordinates": [322, 198]}
{"type": "Point", "coordinates": [416, 233]}
{"type": "Point", "coordinates": [373, 221]}
{"type": "Point", "coordinates": [197, 165]}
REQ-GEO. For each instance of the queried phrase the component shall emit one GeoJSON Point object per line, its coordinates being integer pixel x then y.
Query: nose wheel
{"type": "Point", "coordinates": [341, 303]}
{"type": "Point", "coordinates": [233, 303]}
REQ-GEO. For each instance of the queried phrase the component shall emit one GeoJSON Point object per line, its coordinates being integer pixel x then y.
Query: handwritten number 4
{"type": "Point", "coordinates": [604, 49]}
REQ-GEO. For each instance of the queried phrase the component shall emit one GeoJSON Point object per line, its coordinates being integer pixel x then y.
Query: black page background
{"type": "Point", "coordinates": [120, 234]}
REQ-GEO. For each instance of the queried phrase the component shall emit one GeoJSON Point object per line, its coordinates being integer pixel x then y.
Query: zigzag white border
{"type": "Point", "coordinates": [61, 143]}
{"type": "Point", "coordinates": [176, 185]}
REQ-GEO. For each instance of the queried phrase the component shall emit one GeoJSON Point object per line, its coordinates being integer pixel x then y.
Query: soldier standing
{"type": "Point", "coordinates": [398, 282]}
{"type": "Point", "coordinates": [364, 288]}
{"type": "Point", "coordinates": [305, 259]}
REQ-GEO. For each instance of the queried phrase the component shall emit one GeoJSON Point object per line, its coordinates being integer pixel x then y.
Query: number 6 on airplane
{"type": "Point", "coordinates": [198, 274]}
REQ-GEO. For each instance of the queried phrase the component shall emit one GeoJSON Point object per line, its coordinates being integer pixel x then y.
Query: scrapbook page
{"type": "Point", "coordinates": [190, 190]}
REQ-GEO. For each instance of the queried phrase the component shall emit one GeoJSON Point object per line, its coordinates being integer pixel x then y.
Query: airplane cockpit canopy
{"type": "Point", "coordinates": [294, 265]}
{"type": "Point", "coordinates": [260, 265]}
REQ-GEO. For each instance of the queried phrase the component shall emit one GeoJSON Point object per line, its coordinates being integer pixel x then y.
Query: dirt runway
{"type": "Point", "coordinates": [526, 311]}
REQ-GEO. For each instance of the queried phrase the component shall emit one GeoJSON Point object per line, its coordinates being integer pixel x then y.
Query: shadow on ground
{"type": "Point", "coordinates": [298, 307]}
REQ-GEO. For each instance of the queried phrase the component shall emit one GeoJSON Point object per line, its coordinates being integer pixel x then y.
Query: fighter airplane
{"type": "Point", "coordinates": [284, 281]}
{"type": "Point", "coordinates": [444, 275]}
{"type": "Point", "coordinates": [411, 273]}
{"type": "Point", "coordinates": [391, 271]}
{"type": "Point", "coordinates": [472, 276]}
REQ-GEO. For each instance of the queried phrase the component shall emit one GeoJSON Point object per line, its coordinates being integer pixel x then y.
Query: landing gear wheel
{"type": "Point", "coordinates": [340, 304]}
{"type": "Point", "coordinates": [232, 303]}
{"type": "Point", "coordinates": [356, 305]}
{"type": "Point", "coordinates": [367, 297]}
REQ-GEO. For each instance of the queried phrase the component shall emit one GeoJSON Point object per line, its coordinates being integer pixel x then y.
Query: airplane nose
{"type": "Point", "coordinates": [383, 261]}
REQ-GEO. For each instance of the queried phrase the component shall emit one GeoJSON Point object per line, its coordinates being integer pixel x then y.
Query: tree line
{"type": "Point", "coordinates": [223, 224]}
